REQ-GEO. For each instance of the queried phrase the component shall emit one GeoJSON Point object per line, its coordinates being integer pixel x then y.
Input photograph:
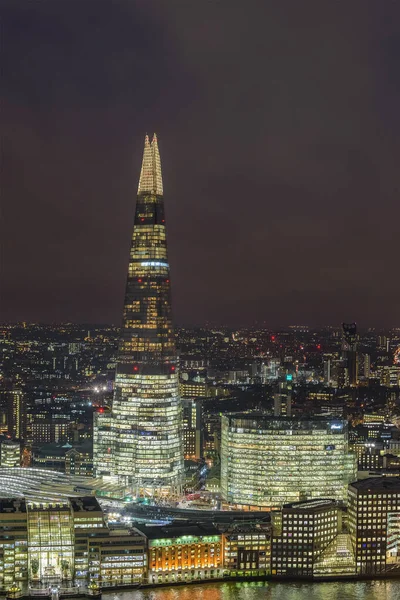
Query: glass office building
{"type": "Point", "coordinates": [305, 529]}
{"type": "Point", "coordinates": [146, 420]}
{"type": "Point", "coordinates": [271, 461]}
{"type": "Point", "coordinates": [50, 540]}
{"type": "Point", "coordinates": [374, 524]}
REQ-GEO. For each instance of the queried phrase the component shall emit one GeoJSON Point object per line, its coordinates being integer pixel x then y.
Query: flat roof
{"type": "Point", "coordinates": [12, 505]}
{"type": "Point", "coordinates": [385, 484]}
{"type": "Point", "coordinates": [262, 421]}
{"type": "Point", "coordinates": [307, 505]}
{"type": "Point", "coordinates": [85, 504]}
{"type": "Point", "coordinates": [175, 530]}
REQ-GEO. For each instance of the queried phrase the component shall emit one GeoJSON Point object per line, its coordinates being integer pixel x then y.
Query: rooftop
{"type": "Point", "coordinates": [12, 505]}
{"type": "Point", "coordinates": [307, 505]}
{"type": "Point", "coordinates": [85, 504]}
{"type": "Point", "coordinates": [384, 484]}
{"type": "Point", "coordinates": [262, 421]}
{"type": "Point", "coordinates": [47, 485]}
{"type": "Point", "coordinates": [55, 449]}
{"type": "Point", "coordinates": [175, 530]}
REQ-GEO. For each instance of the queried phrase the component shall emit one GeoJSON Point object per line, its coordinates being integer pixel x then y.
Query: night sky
{"type": "Point", "coordinates": [279, 130]}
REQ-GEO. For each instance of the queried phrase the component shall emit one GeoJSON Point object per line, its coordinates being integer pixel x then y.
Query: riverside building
{"type": "Point", "coordinates": [146, 419]}
{"type": "Point", "coordinates": [183, 552]}
{"type": "Point", "coordinates": [65, 540]}
{"type": "Point", "coordinates": [374, 524]}
{"type": "Point", "coordinates": [247, 550]}
{"type": "Point", "coordinates": [302, 532]}
{"type": "Point", "coordinates": [271, 461]}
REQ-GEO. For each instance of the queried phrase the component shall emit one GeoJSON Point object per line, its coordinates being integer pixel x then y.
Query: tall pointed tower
{"type": "Point", "coordinates": [146, 413]}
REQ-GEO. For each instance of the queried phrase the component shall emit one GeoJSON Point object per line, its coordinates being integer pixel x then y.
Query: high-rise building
{"type": "Point", "coordinates": [349, 353]}
{"type": "Point", "coordinates": [304, 530]}
{"type": "Point", "coordinates": [270, 461]}
{"type": "Point", "coordinates": [283, 398]}
{"type": "Point", "coordinates": [102, 442]}
{"type": "Point", "coordinates": [192, 428]}
{"type": "Point", "coordinates": [374, 524]}
{"type": "Point", "coordinates": [13, 410]}
{"type": "Point", "coordinates": [146, 412]}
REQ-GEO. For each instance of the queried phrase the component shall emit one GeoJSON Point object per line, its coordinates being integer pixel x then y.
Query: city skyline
{"type": "Point", "coordinates": [234, 419]}
{"type": "Point", "coordinates": [283, 184]}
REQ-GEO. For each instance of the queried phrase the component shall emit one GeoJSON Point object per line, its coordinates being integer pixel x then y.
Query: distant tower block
{"type": "Point", "coordinates": [349, 353]}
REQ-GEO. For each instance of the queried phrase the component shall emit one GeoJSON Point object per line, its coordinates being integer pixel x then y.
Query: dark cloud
{"type": "Point", "coordinates": [280, 136]}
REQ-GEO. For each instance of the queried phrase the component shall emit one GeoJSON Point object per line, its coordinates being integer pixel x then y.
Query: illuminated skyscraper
{"type": "Point", "coordinates": [146, 413]}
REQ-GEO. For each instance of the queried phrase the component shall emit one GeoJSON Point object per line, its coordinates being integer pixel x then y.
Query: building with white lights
{"type": "Point", "coordinates": [146, 419]}
{"type": "Point", "coordinates": [271, 461]}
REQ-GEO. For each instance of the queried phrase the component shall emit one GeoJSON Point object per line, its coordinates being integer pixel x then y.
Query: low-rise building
{"type": "Point", "coordinates": [183, 552]}
{"type": "Point", "coordinates": [65, 540]}
{"type": "Point", "coordinates": [247, 550]}
{"type": "Point", "coordinates": [72, 460]}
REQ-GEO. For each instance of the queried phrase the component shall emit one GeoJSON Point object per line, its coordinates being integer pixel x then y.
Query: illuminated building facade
{"type": "Point", "coordinates": [102, 442]}
{"type": "Point", "coordinates": [247, 551]}
{"type": "Point", "coordinates": [271, 461]}
{"type": "Point", "coordinates": [192, 432]}
{"type": "Point", "coordinates": [72, 460]}
{"type": "Point", "coordinates": [10, 453]}
{"type": "Point", "coordinates": [15, 412]}
{"type": "Point", "coordinates": [50, 540]}
{"type": "Point", "coordinates": [374, 524]}
{"type": "Point", "coordinates": [183, 552]}
{"type": "Point", "coordinates": [13, 541]}
{"type": "Point", "coordinates": [302, 533]}
{"type": "Point", "coordinates": [66, 539]}
{"type": "Point", "coordinates": [146, 420]}
{"type": "Point", "coordinates": [283, 398]}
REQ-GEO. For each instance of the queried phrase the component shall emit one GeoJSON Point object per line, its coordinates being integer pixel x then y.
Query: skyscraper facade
{"type": "Point", "coordinates": [146, 421]}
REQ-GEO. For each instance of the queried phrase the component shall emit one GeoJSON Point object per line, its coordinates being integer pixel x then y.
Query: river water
{"type": "Point", "coordinates": [354, 590]}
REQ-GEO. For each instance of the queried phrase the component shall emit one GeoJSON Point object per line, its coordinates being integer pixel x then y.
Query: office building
{"type": "Point", "coordinates": [301, 533]}
{"type": "Point", "coordinates": [271, 461]}
{"type": "Point", "coordinates": [283, 398]}
{"type": "Point", "coordinates": [102, 442]}
{"type": "Point", "coordinates": [13, 408]}
{"type": "Point", "coordinates": [247, 550]}
{"type": "Point", "coordinates": [10, 453]}
{"type": "Point", "coordinates": [72, 460]}
{"type": "Point", "coordinates": [192, 431]}
{"type": "Point", "coordinates": [186, 552]}
{"type": "Point", "coordinates": [146, 420]}
{"type": "Point", "coordinates": [374, 524]}
{"type": "Point", "coordinates": [56, 541]}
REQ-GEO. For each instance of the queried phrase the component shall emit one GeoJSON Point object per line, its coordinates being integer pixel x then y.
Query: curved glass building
{"type": "Point", "coordinates": [271, 461]}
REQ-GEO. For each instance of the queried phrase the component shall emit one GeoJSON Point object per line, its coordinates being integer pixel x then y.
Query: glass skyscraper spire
{"type": "Point", "coordinates": [146, 418]}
